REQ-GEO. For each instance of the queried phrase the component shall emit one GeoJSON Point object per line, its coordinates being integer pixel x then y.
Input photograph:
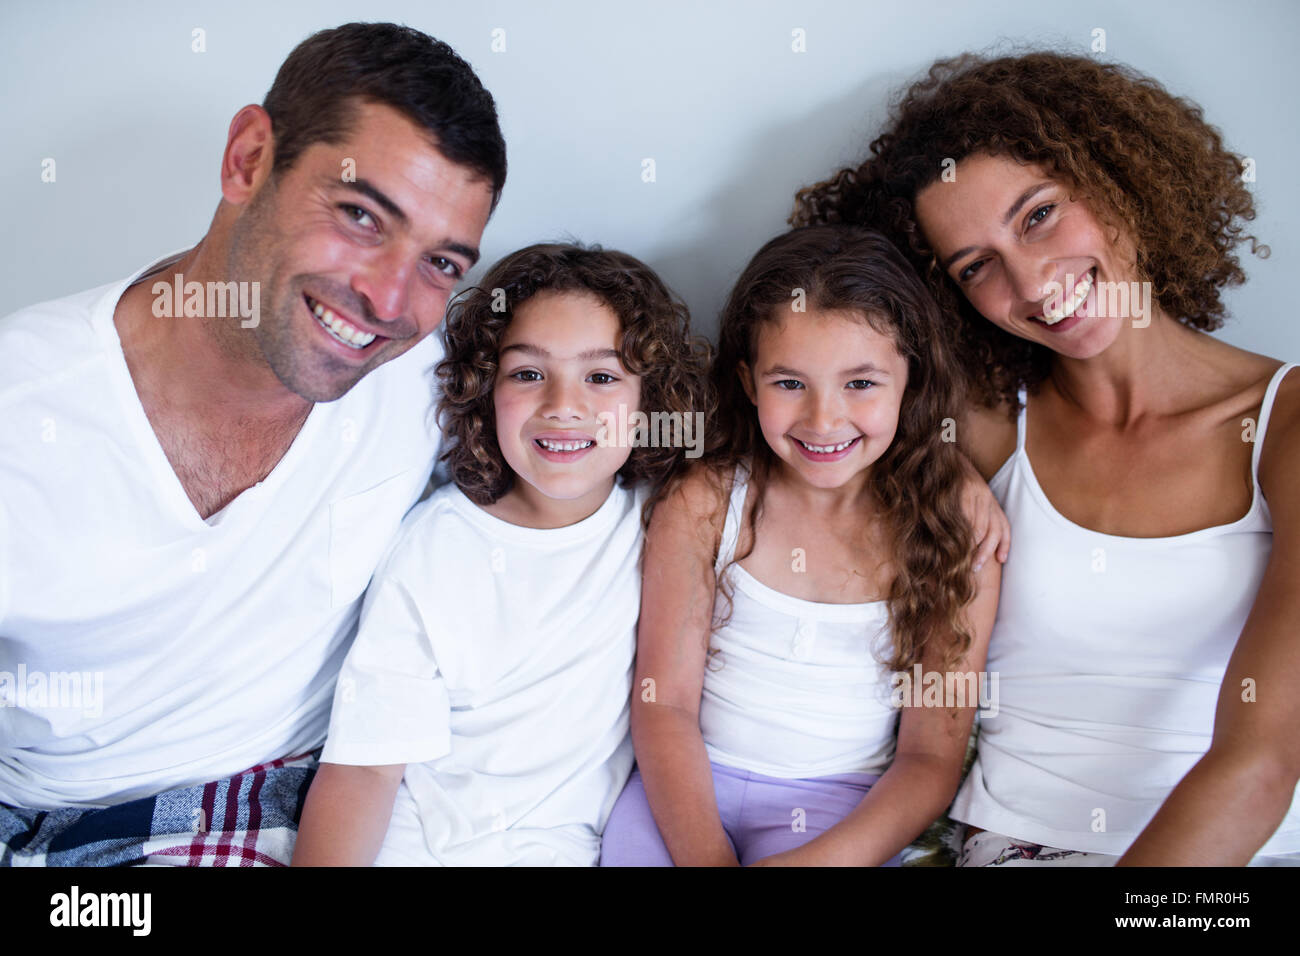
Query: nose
{"type": "Point", "coordinates": [825, 412]}
{"type": "Point", "coordinates": [563, 400]}
{"type": "Point", "coordinates": [385, 282]}
{"type": "Point", "coordinates": [1029, 277]}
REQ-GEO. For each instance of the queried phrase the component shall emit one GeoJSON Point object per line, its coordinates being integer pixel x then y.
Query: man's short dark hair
{"type": "Point", "coordinates": [324, 81]}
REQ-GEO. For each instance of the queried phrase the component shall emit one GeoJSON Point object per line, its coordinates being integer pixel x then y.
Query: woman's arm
{"type": "Point", "coordinates": [923, 778]}
{"type": "Point", "coordinates": [677, 596]}
{"type": "Point", "coordinates": [346, 815]}
{"type": "Point", "coordinates": [1235, 797]}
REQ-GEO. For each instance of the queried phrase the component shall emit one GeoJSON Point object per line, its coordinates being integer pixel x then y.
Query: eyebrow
{"type": "Point", "coordinates": [540, 352]}
{"type": "Point", "coordinates": [1015, 208]}
{"type": "Point", "coordinates": [381, 199]}
{"type": "Point", "coordinates": [865, 369]}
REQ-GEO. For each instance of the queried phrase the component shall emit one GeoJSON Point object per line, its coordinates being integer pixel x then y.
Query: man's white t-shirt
{"type": "Point", "coordinates": [496, 662]}
{"type": "Point", "coordinates": [142, 647]}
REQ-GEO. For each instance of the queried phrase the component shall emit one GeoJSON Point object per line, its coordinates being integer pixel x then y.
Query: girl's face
{"type": "Point", "coordinates": [828, 389]}
{"type": "Point", "coordinates": [558, 389]}
{"type": "Point", "coordinates": [1005, 231]}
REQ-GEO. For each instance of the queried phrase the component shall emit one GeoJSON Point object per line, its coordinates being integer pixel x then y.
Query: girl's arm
{"type": "Point", "coordinates": [1235, 797]}
{"type": "Point", "coordinates": [346, 815]}
{"type": "Point", "coordinates": [677, 596]}
{"type": "Point", "coordinates": [923, 778]}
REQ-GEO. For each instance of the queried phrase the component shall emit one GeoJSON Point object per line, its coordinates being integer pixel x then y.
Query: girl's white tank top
{"type": "Point", "coordinates": [1109, 653]}
{"type": "Point", "coordinates": [794, 690]}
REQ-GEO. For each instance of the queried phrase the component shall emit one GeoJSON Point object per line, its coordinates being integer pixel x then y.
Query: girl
{"type": "Point", "coordinates": [481, 716]}
{"type": "Point", "coordinates": [1146, 637]}
{"type": "Point", "coordinates": [825, 525]}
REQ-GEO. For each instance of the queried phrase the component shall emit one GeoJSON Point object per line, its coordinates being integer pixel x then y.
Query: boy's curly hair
{"type": "Point", "coordinates": [917, 481]}
{"type": "Point", "coordinates": [655, 342]}
{"type": "Point", "coordinates": [1146, 159]}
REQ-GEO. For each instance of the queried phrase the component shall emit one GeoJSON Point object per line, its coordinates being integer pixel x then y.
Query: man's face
{"type": "Point", "coordinates": [358, 247]}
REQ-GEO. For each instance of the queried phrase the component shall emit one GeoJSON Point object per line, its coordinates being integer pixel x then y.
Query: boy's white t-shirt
{"type": "Point", "coordinates": [142, 647]}
{"type": "Point", "coordinates": [496, 662]}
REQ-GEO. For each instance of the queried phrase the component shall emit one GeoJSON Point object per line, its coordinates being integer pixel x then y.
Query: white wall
{"type": "Point", "coordinates": [712, 91]}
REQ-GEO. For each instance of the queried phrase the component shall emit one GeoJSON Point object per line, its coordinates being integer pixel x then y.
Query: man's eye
{"type": "Point", "coordinates": [523, 373]}
{"type": "Point", "coordinates": [356, 214]}
{"type": "Point", "coordinates": [447, 267]}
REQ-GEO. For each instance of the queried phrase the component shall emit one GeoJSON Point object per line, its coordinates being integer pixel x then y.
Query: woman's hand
{"type": "Point", "coordinates": [989, 523]}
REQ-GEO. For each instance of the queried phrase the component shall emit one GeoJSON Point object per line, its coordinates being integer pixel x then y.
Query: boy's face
{"type": "Point", "coordinates": [557, 396]}
{"type": "Point", "coordinates": [357, 247]}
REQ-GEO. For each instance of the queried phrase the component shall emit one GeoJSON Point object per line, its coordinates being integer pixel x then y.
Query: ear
{"type": "Point", "coordinates": [250, 153]}
{"type": "Point", "coordinates": [746, 381]}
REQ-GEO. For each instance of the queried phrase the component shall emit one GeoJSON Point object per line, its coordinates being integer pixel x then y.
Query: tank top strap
{"type": "Point", "coordinates": [1020, 423]}
{"type": "Point", "coordinates": [1264, 410]}
{"type": "Point", "coordinates": [735, 511]}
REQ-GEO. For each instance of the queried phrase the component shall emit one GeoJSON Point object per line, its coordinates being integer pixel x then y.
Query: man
{"type": "Point", "coordinates": [203, 464]}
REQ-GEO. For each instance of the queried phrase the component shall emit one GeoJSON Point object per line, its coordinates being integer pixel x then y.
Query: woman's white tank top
{"type": "Point", "coordinates": [794, 690]}
{"type": "Point", "coordinates": [1109, 653]}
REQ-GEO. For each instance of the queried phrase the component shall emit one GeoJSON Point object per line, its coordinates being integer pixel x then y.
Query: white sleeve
{"type": "Point", "coordinates": [390, 704]}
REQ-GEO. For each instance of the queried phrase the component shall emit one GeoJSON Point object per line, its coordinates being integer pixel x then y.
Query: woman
{"type": "Point", "coordinates": [1079, 224]}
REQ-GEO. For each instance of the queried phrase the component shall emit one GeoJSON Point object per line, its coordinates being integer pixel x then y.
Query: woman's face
{"type": "Point", "coordinates": [1006, 232]}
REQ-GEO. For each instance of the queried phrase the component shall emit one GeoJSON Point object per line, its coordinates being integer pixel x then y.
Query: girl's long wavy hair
{"type": "Point", "coordinates": [655, 342]}
{"type": "Point", "coordinates": [917, 481]}
{"type": "Point", "coordinates": [1145, 159]}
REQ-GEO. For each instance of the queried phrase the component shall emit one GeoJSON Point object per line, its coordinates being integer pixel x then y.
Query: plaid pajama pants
{"type": "Point", "coordinates": [250, 819]}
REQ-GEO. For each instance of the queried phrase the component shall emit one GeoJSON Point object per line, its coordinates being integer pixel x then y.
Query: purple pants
{"type": "Point", "coordinates": [761, 815]}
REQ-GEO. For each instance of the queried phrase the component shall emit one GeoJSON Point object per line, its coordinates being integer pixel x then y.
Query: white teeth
{"type": "Point", "coordinates": [345, 332]}
{"type": "Point", "coordinates": [1081, 290]}
{"type": "Point", "coordinates": [564, 445]}
{"type": "Point", "coordinates": [827, 449]}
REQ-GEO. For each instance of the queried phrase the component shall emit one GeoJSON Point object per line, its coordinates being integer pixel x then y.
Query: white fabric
{"type": "Point", "coordinates": [1111, 651]}
{"type": "Point", "coordinates": [496, 662]}
{"type": "Point", "coordinates": [217, 641]}
{"type": "Point", "coordinates": [794, 689]}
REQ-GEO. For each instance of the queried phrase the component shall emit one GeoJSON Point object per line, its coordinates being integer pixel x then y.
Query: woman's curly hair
{"type": "Point", "coordinates": [655, 342]}
{"type": "Point", "coordinates": [1147, 161]}
{"type": "Point", "coordinates": [918, 480]}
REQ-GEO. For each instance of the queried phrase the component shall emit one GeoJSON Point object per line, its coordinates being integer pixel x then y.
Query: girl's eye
{"type": "Point", "coordinates": [793, 384]}
{"type": "Point", "coordinates": [523, 372]}
{"type": "Point", "coordinates": [607, 378]}
{"type": "Point", "coordinates": [447, 267]}
{"type": "Point", "coordinates": [860, 384]}
{"type": "Point", "coordinates": [1035, 218]}
{"type": "Point", "coordinates": [356, 213]}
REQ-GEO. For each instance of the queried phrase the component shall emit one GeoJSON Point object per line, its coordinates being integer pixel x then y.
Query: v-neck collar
{"type": "Point", "coordinates": [251, 500]}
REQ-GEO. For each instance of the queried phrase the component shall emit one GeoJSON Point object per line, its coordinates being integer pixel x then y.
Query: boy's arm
{"type": "Point", "coordinates": [346, 815]}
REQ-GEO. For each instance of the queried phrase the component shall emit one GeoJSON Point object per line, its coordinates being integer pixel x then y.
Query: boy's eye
{"type": "Point", "coordinates": [789, 384]}
{"type": "Point", "coordinates": [523, 373]}
{"type": "Point", "coordinates": [605, 378]}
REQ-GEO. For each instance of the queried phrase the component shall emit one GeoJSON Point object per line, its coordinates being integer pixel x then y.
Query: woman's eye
{"type": "Point", "coordinates": [523, 373]}
{"type": "Point", "coordinates": [356, 214]}
{"type": "Point", "coordinates": [861, 384]}
{"type": "Point", "coordinates": [605, 378]}
{"type": "Point", "coordinates": [789, 384]}
{"type": "Point", "coordinates": [1035, 218]}
{"type": "Point", "coordinates": [970, 270]}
